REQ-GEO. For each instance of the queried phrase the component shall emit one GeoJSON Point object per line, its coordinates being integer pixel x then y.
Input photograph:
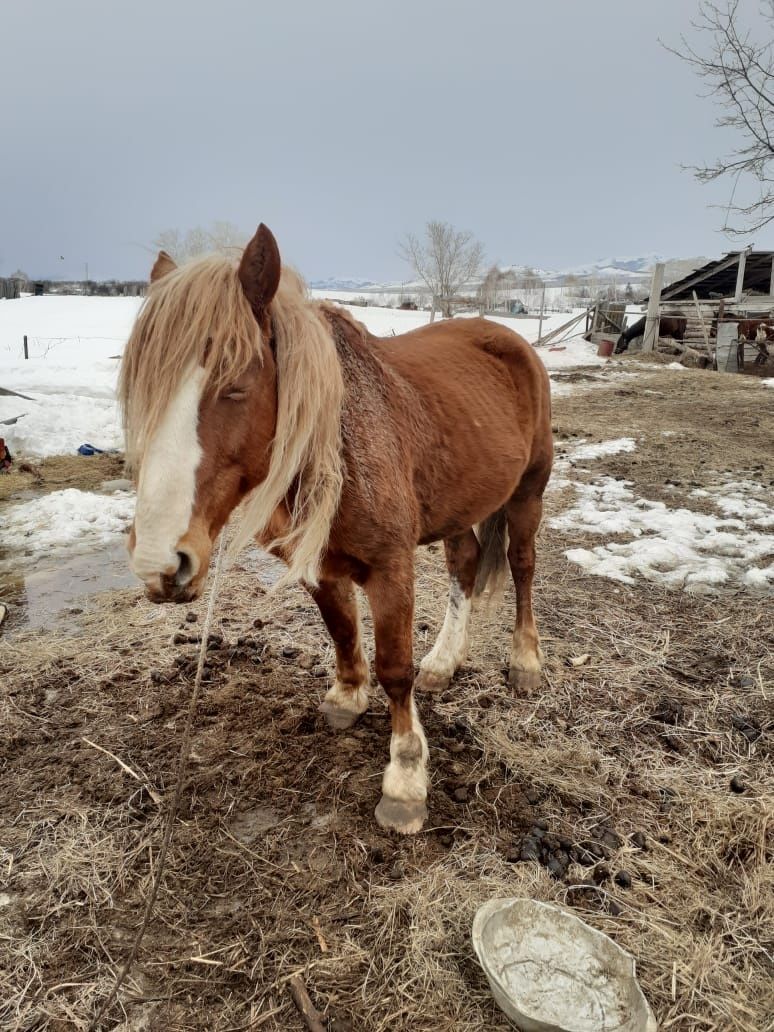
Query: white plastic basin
{"type": "Point", "coordinates": [551, 972]}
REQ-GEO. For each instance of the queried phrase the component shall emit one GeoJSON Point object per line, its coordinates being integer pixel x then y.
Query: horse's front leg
{"type": "Point", "coordinates": [404, 785]}
{"type": "Point", "coordinates": [348, 697]}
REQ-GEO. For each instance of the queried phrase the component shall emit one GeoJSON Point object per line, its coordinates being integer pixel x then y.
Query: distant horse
{"type": "Point", "coordinates": [747, 329]}
{"type": "Point", "coordinates": [350, 451]}
{"type": "Point", "coordinates": [668, 326]}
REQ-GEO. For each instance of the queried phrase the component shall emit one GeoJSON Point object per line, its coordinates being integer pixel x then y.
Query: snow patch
{"type": "Point", "coordinates": [68, 520]}
{"type": "Point", "coordinates": [597, 451]}
{"type": "Point", "coordinates": [675, 547]}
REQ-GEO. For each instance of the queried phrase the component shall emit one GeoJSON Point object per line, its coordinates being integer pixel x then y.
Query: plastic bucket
{"type": "Point", "coordinates": [605, 348]}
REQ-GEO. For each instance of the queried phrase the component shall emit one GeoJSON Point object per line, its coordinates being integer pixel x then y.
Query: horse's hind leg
{"type": "Point", "coordinates": [451, 646]}
{"type": "Point", "coordinates": [524, 511]}
{"type": "Point", "coordinates": [348, 697]}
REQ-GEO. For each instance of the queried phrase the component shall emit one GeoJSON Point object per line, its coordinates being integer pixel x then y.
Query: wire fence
{"type": "Point", "coordinates": [32, 346]}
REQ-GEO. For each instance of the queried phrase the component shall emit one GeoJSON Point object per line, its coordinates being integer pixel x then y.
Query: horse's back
{"type": "Point", "coordinates": [470, 363]}
{"type": "Point", "coordinates": [480, 385]}
{"type": "Point", "coordinates": [446, 348]}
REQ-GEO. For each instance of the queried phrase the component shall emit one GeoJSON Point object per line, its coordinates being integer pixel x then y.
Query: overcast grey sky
{"type": "Point", "coordinates": [553, 129]}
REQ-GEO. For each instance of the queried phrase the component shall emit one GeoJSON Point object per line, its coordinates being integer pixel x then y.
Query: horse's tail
{"type": "Point", "coordinates": [492, 569]}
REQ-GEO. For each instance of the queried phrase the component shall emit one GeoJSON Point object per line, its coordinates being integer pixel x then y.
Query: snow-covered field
{"type": "Point", "coordinates": [74, 344]}
{"type": "Point", "coordinates": [70, 375]}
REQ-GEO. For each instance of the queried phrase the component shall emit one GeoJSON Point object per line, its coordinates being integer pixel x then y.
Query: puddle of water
{"type": "Point", "coordinates": [42, 598]}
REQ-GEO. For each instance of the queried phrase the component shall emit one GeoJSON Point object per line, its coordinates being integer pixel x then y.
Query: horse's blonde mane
{"type": "Point", "coordinates": [199, 315]}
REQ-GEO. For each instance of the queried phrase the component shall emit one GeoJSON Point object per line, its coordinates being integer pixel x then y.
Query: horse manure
{"type": "Point", "coordinates": [600, 874]}
{"type": "Point", "coordinates": [557, 866]}
{"type": "Point", "coordinates": [530, 850]}
{"type": "Point", "coordinates": [584, 892]}
{"type": "Point", "coordinates": [668, 711]}
{"type": "Point", "coordinates": [589, 852]}
{"type": "Point", "coordinates": [318, 671]}
{"type": "Point", "coordinates": [638, 839]}
{"type": "Point", "coordinates": [738, 786]}
{"type": "Point", "coordinates": [608, 837]}
{"type": "Point", "coordinates": [461, 794]}
{"type": "Point", "coordinates": [191, 617]}
{"type": "Point", "coordinates": [624, 879]}
{"type": "Point", "coordinates": [746, 727]}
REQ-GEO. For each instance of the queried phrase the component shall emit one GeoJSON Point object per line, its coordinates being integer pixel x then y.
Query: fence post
{"type": "Point", "coordinates": [650, 336]}
{"type": "Point", "coordinates": [542, 309]}
{"type": "Point", "coordinates": [26, 352]}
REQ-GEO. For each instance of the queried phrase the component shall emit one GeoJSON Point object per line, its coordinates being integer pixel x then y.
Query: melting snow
{"type": "Point", "coordinates": [596, 451]}
{"type": "Point", "coordinates": [677, 547]}
{"type": "Point", "coordinates": [66, 520]}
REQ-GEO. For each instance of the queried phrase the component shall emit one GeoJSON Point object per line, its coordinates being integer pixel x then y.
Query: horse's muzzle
{"type": "Point", "coordinates": [180, 585]}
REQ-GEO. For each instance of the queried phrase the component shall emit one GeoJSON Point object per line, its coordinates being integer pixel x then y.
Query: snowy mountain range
{"type": "Point", "coordinates": [621, 270]}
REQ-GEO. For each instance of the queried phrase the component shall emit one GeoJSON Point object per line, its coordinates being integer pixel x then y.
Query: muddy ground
{"type": "Point", "coordinates": [86, 473]}
{"type": "Point", "coordinates": [636, 788]}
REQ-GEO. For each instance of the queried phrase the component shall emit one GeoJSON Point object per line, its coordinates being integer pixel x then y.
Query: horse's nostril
{"type": "Point", "coordinates": [184, 570]}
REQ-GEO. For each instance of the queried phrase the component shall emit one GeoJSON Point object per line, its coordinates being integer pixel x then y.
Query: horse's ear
{"type": "Point", "coordinates": [259, 270]}
{"type": "Point", "coordinates": [163, 265]}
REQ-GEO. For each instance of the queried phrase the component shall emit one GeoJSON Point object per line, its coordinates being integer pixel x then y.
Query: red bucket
{"type": "Point", "coordinates": [605, 348]}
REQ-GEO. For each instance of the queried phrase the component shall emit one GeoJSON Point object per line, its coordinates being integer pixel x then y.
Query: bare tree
{"type": "Point", "coordinates": [737, 65]}
{"type": "Point", "coordinates": [489, 290]}
{"type": "Point", "coordinates": [221, 237]}
{"type": "Point", "coordinates": [444, 261]}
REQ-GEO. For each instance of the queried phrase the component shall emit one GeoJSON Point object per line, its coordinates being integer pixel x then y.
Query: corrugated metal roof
{"type": "Point", "coordinates": [718, 279]}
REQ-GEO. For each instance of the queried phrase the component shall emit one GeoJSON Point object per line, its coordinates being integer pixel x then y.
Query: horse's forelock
{"type": "Point", "coordinates": [195, 316]}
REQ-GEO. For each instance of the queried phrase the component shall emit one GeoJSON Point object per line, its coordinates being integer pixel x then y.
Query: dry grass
{"type": "Point", "coordinates": [277, 865]}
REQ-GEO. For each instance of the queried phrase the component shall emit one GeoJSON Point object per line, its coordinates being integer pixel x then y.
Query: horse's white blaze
{"type": "Point", "coordinates": [167, 484]}
{"type": "Point", "coordinates": [451, 646]}
{"type": "Point", "coordinates": [405, 777]}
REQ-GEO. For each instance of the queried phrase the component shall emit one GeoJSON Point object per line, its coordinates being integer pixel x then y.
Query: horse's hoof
{"type": "Point", "coordinates": [430, 681]}
{"type": "Point", "coordinates": [404, 817]}
{"type": "Point", "coordinates": [525, 682]}
{"type": "Point", "coordinates": [338, 719]}
{"type": "Point", "coordinates": [342, 707]}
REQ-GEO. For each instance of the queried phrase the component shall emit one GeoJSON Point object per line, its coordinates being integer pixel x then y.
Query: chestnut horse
{"type": "Point", "coordinates": [348, 452]}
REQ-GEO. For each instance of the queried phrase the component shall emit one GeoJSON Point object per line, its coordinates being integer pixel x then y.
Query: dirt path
{"type": "Point", "coordinates": [637, 788]}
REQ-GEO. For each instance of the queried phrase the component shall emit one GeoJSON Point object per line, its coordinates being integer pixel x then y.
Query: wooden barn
{"type": "Point", "coordinates": [724, 312]}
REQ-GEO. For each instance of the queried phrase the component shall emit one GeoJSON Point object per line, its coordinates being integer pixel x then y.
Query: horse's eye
{"type": "Point", "coordinates": [234, 394]}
